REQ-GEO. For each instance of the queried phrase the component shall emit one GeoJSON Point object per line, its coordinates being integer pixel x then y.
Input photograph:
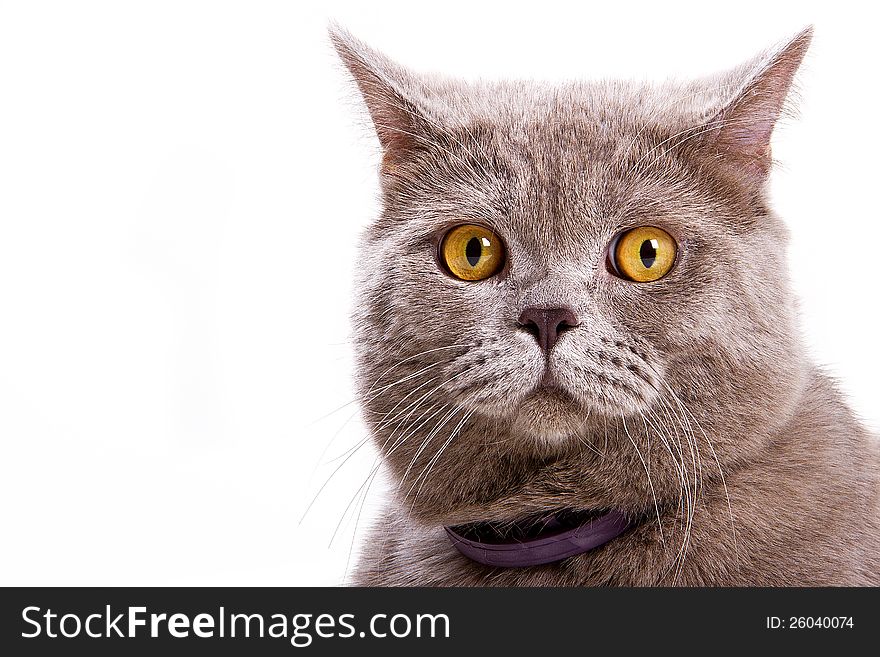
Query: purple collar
{"type": "Point", "coordinates": [536, 540]}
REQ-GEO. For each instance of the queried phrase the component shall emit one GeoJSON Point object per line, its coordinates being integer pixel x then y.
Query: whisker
{"type": "Point", "coordinates": [427, 471]}
{"type": "Point", "coordinates": [648, 473]}
{"type": "Point", "coordinates": [717, 463]}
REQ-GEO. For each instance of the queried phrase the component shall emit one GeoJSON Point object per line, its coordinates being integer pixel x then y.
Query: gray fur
{"type": "Point", "coordinates": [688, 403]}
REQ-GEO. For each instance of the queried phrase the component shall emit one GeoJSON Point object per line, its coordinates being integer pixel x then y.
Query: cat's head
{"type": "Point", "coordinates": [571, 268]}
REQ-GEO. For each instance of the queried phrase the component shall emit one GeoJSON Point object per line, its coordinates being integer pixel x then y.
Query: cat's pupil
{"type": "Point", "coordinates": [473, 250]}
{"type": "Point", "coordinates": [648, 252]}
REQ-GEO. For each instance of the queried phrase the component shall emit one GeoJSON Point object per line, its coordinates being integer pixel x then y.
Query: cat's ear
{"type": "Point", "coordinates": [740, 133]}
{"type": "Point", "coordinates": [395, 98]}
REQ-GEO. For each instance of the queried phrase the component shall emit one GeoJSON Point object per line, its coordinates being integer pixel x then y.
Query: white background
{"type": "Point", "coordinates": [181, 187]}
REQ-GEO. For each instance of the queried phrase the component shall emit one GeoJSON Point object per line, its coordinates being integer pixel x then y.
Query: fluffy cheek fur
{"type": "Point", "coordinates": [454, 337]}
{"type": "Point", "coordinates": [736, 361]}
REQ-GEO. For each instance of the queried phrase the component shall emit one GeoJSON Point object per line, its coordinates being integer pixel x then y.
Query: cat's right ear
{"type": "Point", "coordinates": [395, 98]}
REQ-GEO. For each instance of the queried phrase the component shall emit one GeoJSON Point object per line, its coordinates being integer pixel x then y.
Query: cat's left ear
{"type": "Point", "coordinates": [740, 133]}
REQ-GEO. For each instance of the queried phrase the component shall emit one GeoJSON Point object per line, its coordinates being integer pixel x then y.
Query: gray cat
{"type": "Point", "coordinates": [577, 351]}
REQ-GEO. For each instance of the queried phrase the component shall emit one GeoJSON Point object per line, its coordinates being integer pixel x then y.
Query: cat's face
{"type": "Point", "coordinates": [553, 342]}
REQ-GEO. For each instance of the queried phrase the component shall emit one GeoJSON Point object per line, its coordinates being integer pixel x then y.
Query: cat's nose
{"type": "Point", "coordinates": [547, 323]}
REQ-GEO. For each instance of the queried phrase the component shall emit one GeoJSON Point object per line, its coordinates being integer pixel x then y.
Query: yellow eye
{"type": "Point", "coordinates": [643, 254]}
{"type": "Point", "coordinates": [472, 253]}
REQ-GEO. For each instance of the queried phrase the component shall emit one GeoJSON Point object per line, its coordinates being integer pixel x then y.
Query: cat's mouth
{"type": "Point", "coordinates": [549, 387]}
{"type": "Point", "coordinates": [548, 381]}
{"type": "Point", "coordinates": [539, 539]}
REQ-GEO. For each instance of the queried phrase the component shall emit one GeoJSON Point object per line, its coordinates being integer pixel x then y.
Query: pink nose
{"type": "Point", "coordinates": [547, 323]}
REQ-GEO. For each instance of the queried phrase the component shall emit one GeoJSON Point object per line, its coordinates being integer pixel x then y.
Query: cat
{"type": "Point", "coordinates": [573, 317]}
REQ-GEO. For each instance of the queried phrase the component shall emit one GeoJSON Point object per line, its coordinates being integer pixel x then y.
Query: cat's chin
{"type": "Point", "coordinates": [550, 416]}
